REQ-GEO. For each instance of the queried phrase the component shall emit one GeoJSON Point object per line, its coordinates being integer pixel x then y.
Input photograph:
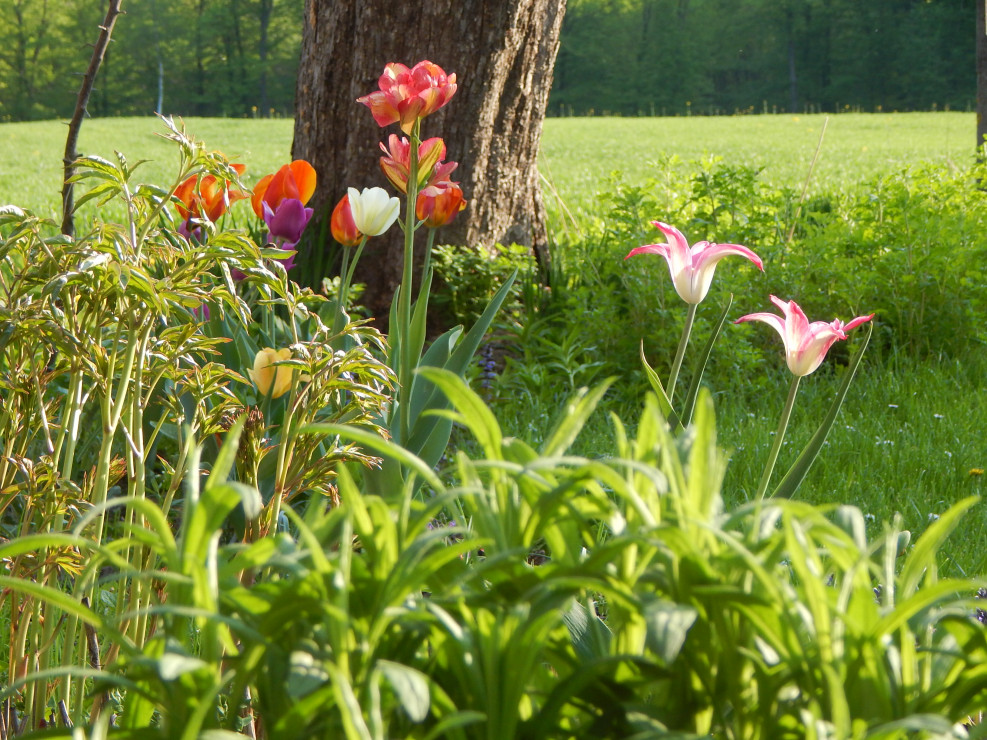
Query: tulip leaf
{"type": "Point", "coordinates": [697, 375]}
{"type": "Point", "coordinates": [796, 474]}
{"type": "Point", "coordinates": [425, 396]}
{"type": "Point", "coordinates": [410, 687]}
{"type": "Point", "coordinates": [668, 625]}
{"type": "Point", "coordinates": [417, 337]}
{"type": "Point", "coordinates": [657, 387]}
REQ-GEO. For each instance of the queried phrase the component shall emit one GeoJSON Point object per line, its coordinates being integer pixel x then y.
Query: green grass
{"type": "Point", "coordinates": [31, 153]}
{"type": "Point", "coordinates": [578, 154]}
{"type": "Point", "coordinates": [910, 432]}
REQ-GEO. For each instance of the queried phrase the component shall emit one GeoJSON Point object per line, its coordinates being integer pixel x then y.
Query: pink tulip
{"type": "Point", "coordinates": [396, 164]}
{"type": "Point", "coordinates": [806, 344]}
{"type": "Point", "coordinates": [407, 95]}
{"type": "Point", "coordinates": [692, 267]}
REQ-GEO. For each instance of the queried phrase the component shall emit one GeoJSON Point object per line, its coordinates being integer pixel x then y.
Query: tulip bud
{"type": "Point", "coordinates": [271, 380]}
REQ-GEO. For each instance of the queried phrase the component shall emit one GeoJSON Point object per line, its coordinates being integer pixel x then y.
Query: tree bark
{"type": "Point", "coordinates": [502, 54]}
{"type": "Point", "coordinates": [981, 27]}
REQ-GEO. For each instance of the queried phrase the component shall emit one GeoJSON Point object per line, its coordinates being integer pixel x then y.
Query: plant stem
{"type": "Point", "coordinates": [404, 314]}
{"type": "Point", "coordinates": [346, 280]}
{"type": "Point", "coordinates": [680, 352]}
{"type": "Point", "coordinates": [779, 437]}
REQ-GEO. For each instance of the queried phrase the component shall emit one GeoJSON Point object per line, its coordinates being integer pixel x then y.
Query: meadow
{"type": "Point", "coordinates": [578, 154]}
{"type": "Point", "coordinates": [261, 560]}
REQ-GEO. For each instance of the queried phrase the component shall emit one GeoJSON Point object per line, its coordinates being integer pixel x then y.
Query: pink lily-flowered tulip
{"type": "Point", "coordinates": [396, 163]}
{"type": "Point", "coordinates": [692, 267]}
{"type": "Point", "coordinates": [407, 95]}
{"type": "Point", "coordinates": [806, 344]}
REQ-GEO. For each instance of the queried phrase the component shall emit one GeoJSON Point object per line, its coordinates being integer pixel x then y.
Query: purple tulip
{"type": "Point", "coordinates": [287, 223]}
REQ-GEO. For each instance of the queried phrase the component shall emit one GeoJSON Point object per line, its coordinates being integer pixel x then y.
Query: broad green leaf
{"type": "Point", "coordinates": [410, 687]}
{"type": "Point", "coordinates": [590, 635]}
{"type": "Point", "coordinates": [473, 412]}
{"type": "Point", "coordinates": [574, 418]}
{"type": "Point", "coordinates": [381, 446]}
{"type": "Point", "coordinates": [922, 558]}
{"type": "Point", "coordinates": [172, 666]}
{"type": "Point", "coordinates": [668, 626]}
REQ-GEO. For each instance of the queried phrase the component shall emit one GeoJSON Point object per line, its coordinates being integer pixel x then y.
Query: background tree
{"type": "Point", "coordinates": [502, 54]}
{"type": "Point", "coordinates": [981, 26]}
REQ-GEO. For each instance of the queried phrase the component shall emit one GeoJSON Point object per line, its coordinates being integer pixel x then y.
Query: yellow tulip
{"type": "Point", "coordinates": [264, 375]}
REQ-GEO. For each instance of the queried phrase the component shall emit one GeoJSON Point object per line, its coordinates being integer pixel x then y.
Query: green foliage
{"type": "Point", "coordinates": [229, 564]}
{"type": "Point", "coordinates": [469, 277]}
{"type": "Point", "coordinates": [112, 383]}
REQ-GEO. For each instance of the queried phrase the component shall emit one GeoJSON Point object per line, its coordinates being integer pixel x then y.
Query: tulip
{"type": "Point", "coordinates": [438, 204]}
{"type": "Point", "coordinates": [206, 196]}
{"type": "Point", "coordinates": [407, 95]}
{"type": "Point", "coordinates": [287, 222]}
{"type": "Point", "coordinates": [373, 210]}
{"type": "Point", "coordinates": [397, 164]}
{"type": "Point", "coordinates": [692, 267]}
{"type": "Point", "coordinates": [293, 181]}
{"type": "Point", "coordinates": [806, 344]}
{"type": "Point", "coordinates": [271, 380]}
{"type": "Point", "coordinates": [342, 225]}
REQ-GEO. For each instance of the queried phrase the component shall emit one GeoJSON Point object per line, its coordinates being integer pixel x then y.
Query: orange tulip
{"type": "Point", "coordinates": [295, 180]}
{"type": "Point", "coordinates": [206, 196]}
{"type": "Point", "coordinates": [438, 204]}
{"type": "Point", "coordinates": [343, 226]}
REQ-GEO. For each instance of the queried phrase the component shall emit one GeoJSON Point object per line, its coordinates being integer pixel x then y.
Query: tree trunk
{"type": "Point", "coordinates": [981, 73]}
{"type": "Point", "coordinates": [502, 54]}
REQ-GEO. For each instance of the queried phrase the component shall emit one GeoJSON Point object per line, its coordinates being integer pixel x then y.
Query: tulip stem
{"type": "Point", "coordinates": [779, 437]}
{"type": "Point", "coordinates": [404, 315]}
{"type": "Point", "coordinates": [346, 280]}
{"type": "Point", "coordinates": [680, 353]}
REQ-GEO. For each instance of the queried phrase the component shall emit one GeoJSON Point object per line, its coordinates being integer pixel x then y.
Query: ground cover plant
{"type": "Point", "coordinates": [240, 548]}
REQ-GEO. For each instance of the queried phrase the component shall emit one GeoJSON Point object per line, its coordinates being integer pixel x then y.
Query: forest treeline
{"type": "Point", "coordinates": [674, 57]}
{"type": "Point", "coordinates": [188, 57]}
{"type": "Point", "coordinates": [621, 57]}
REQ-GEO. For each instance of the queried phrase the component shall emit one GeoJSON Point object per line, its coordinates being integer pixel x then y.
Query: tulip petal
{"type": "Point", "coordinates": [305, 179]}
{"type": "Point", "coordinates": [259, 190]}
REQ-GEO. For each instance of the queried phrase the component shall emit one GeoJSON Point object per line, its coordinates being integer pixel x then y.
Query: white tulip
{"type": "Point", "coordinates": [373, 210]}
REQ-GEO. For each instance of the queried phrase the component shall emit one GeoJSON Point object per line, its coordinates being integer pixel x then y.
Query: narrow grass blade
{"type": "Point", "coordinates": [794, 477]}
